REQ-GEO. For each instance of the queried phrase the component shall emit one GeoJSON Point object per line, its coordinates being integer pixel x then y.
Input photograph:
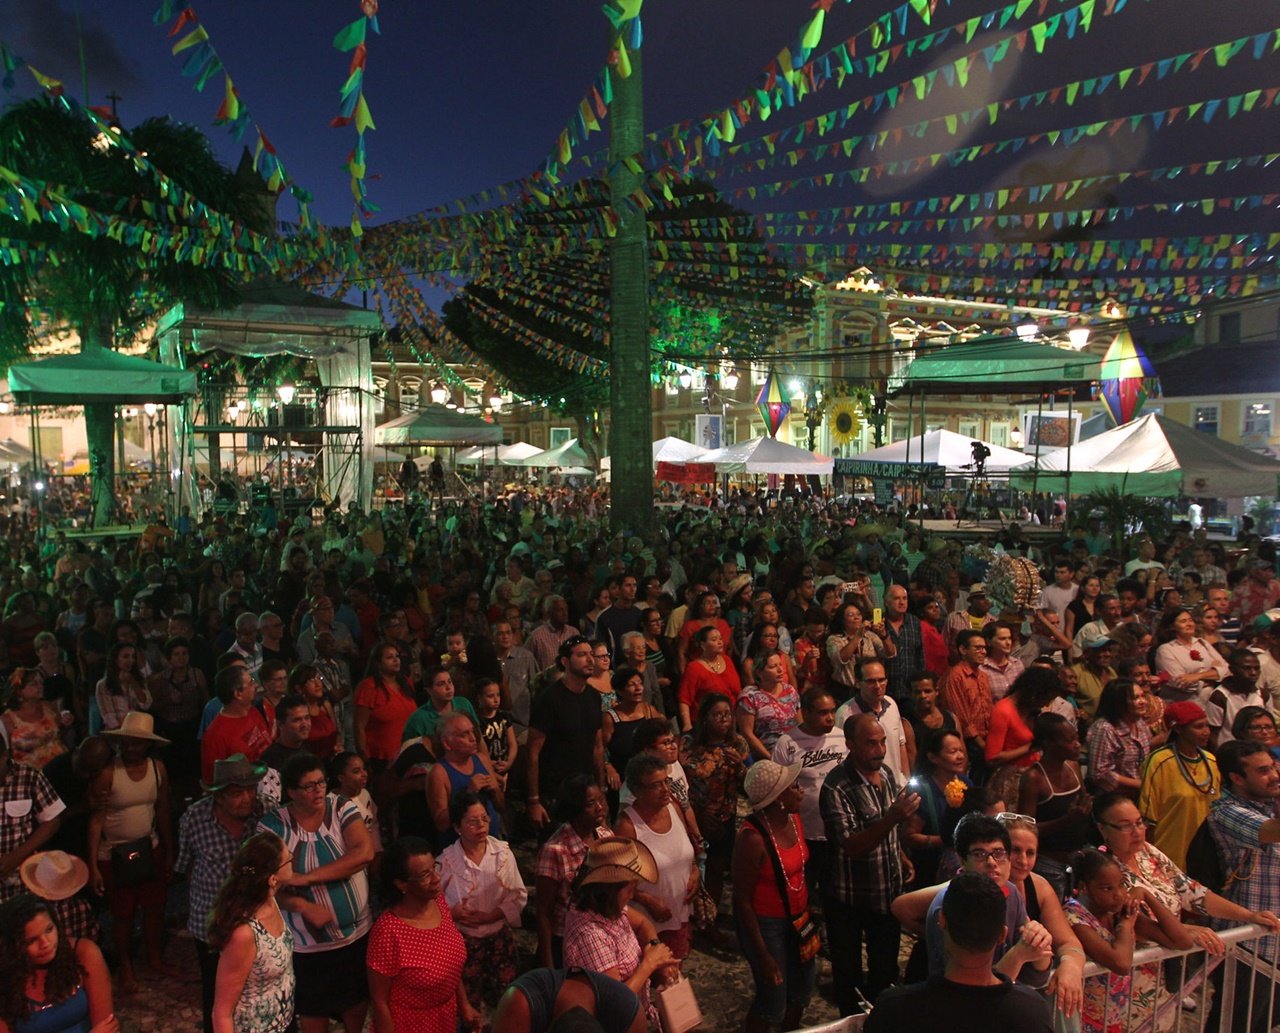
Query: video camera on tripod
{"type": "Point", "coordinates": [980, 452]}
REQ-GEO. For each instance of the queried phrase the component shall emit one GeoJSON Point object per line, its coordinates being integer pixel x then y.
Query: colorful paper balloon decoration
{"type": "Point", "coordinates": [1123, 385]}
{"type": "Point", "coordinates": [772, 404]}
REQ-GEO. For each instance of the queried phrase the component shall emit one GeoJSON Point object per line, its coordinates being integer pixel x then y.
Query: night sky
{"type": "Point", "coordinates": [467, 95]}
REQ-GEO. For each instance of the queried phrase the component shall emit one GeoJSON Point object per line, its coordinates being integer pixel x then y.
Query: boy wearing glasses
{"type": "Point", "coordinates": [983, 844]}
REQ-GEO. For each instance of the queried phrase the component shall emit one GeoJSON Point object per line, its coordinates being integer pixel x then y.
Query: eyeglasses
{"type": "Point", "coordinates": [653, 785]}
{"type": "Point", "coordinates": [1015, 816]}
{"type": "Point", "coordinates": [425, 875]}
{"type": "Point", "coordinates": [1126, 826]}
{"type": "Point", "coordinates": [312, 786]}
{"type": "Point", "coordinates": [666, 743]}
{"type": "Point", "coordinates": [980, 856]}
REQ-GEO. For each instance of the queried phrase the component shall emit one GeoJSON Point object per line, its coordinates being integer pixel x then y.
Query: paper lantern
{"type": "Point", "coordinates": [1122, 387]}
{"type": "Point", "coordinates": [772, 404]}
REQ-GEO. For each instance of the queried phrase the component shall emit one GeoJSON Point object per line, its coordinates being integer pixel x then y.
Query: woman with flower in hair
{"type": "Point", "coordinates": [943, 781]}
{"type": "Point", "coordinates": [1191, 664]}
{"type": "Point", "coordinates": [255, 984]}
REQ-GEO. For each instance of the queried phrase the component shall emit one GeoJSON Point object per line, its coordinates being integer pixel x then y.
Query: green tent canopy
{"type": "Point", "coordinates": [439, 426]}
{"type": "Point", "coordinates": [99, 375]}
{"type": "Point", "coordinates": [984, 367]}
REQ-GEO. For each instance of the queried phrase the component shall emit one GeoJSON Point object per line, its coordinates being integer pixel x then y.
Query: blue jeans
{"type": "Point", "coordinates": [798, 977]}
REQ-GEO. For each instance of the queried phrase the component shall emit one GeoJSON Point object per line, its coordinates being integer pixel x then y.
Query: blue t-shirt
{"type": "Point", "coordinates": [1015, 917]}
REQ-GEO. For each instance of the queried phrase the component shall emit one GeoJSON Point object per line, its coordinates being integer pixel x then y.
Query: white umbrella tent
{"type": "Point", "coordinates": [952, 451]}
{"type": "Point", "coordinates": [766, 455]}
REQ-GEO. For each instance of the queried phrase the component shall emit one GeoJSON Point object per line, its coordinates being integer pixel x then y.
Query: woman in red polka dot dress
{"type": "Point", "coordinates": [416, 955]}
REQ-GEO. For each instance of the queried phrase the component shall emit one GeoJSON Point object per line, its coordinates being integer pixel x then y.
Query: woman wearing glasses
{"type": "Point", "coordinates": [416, 954]}
{"type": "Point", "coordinates": [1124, 832]}
{"type": "Point", "coordinates": [331, 850]}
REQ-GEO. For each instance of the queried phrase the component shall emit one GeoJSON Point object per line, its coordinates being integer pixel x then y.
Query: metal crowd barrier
{"type": "Point", "coordinates": [1244, 983]}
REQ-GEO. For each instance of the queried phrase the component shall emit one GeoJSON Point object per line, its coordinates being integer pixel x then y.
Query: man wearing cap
{"type": "Point", "coordinates": [1259, 591]}
{"type": "Point", "coordinates": [863, 810]}
{"type": "Point", "coordinates": [1266, 647]}
{"type": "Point", "coordinates": [1180, 781]}
{"type": "Point", "coordinates": [1094, 671]}
{"type": "Point", "coordinates": [211, 831]}
{"type": "Point", "coordinates": [32, 813]}
{"type": "Point", "coordinates": [974, 617]}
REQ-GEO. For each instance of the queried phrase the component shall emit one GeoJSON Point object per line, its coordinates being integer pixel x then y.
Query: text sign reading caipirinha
{"type": "Point", "coordinates": [891, 471]}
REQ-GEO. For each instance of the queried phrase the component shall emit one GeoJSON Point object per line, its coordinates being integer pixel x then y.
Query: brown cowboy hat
{"type": "Point", "coordinates": [618, 859]}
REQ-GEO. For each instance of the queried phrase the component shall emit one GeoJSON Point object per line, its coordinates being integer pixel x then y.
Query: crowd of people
{"type": "Point", "coordinates": [368, 747]}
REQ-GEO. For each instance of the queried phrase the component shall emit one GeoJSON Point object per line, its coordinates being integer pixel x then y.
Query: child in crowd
{"type": "Point", "coordinates": [349, 777]}
{"type": "Point", "coordinates": [1109, 919]}
{"type": "Point", "coordinates": [497, 728]}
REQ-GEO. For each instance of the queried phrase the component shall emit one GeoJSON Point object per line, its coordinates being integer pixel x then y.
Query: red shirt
{"type": "Point", "coordinates": [226, 736]}
{"type": "Point", "coordinates": [699, 680]}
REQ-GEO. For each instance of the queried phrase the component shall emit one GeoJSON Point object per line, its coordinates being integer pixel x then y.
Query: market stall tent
{"type": "Point", "coordinates": [946, 449]}
{"type": "Point", "coordinates": [1158, 457]}
{"type": "Point", "coordinates": [99, 375]}
{"type": "Point", "coordinates": [481, 454]}
{"type": "Point", "coordinates": [765, 455]}
{"type": "Point", "coordinates": [436, 425]}
{"type": "Point", "coordinates": [568, 454]}
{"type": "Point", "coordinates": [666, 450]}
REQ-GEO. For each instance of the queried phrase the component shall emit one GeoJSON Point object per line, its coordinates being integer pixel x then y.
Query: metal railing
{"type": "Point", "coordinates": [1167, 989]}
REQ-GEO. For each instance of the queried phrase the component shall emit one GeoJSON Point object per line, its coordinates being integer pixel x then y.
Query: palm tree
{"type": "Point", "coordinates": [106, 290]}
{"type": "Point", "coordinates": [1126, 515]}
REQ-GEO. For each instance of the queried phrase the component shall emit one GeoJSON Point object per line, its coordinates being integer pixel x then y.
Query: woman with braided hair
{"type": "Point", "coordinates": [255, 971]}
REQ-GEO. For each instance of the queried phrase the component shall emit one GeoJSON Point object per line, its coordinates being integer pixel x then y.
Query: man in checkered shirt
{"type": "Point", "coordinates": [1245, 823]}
{"type": "Point", "coordinates": [30, 813]}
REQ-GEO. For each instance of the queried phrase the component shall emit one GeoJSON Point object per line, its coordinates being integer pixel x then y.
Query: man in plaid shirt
{"type": "Point", "coordinates": [862, 813]}
{"type": "Point", "coordinates": [30, 813]}
{"type": "Point", "coordinates": [212, 830]}
{"type": "Point", "coordinates": [1245, 824]}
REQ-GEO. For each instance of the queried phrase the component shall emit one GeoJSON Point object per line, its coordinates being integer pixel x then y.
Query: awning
{"type": "Point", "coordinates": [568, 454]}
{"type": "Point", "coordinates": [765, 455]}
{"type": "Point", "coordinates": [984, 367]}
{"type": "Point", "coordinates": [99, 375]}
{"type": "Point", "coordinates": [436, 425]}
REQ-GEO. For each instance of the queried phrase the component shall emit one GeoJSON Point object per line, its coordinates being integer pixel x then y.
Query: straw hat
{"type": "Point", "coordinates": [767, 780]}
{"type": "Point", "coordinates": [54, 874]}
{"type": "Point", "coordinates": [618, 859]}
{"type": "Point", "coordinates": [736, 585]}
{"type": "Point", "coordinates": [137, 725]}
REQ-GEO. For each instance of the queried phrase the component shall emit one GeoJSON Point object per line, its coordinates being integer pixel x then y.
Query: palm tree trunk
{"type": "Point", "coordinates": [100, 425]}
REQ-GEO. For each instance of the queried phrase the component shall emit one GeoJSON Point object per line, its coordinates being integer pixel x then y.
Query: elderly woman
{"type": "Point", "coordinates": [416, 954]}
{"type": "Point", "coordinates": [460, 768]}
{"type": "Point", "coordinates": [602, 932]}
{"type": "Point", "coordinates": [657, 823]}
{"type": "Point", "coordinates": [635, 655]}
{"type": "Point", "coordinates": [131, 843]}
{"type": "Point", "coordinates": [1119, 739]}
{"type": "Point", "coordinates": [584, 816]}
{"type": "Point", "coordinates": [485, 894]}
{"type": "Point", "coordinates": [1124, 832]}
{"type": "Point", "coordinates": [621, 723]}
{"type": "Point", "coordinates": [331, 850]}
{"type": "Point", "coordinates": [1180, 780]}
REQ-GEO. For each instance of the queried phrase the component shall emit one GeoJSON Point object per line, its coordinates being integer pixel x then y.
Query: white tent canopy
{"type": "Point", "coordinates": [436, 425]}
{"type": "Point", "coordinates": [505, 454]}
{"type": "Point", "coordinates": [766, 455]}
{"type": "Point", "coordinates": [944, 448]}
{"type": "Point", "coordinates": [1155, 456]}
{"type": "Point", "coordinates": [568, 454]}
{"type": "Point", "coordinates": [666, 450]}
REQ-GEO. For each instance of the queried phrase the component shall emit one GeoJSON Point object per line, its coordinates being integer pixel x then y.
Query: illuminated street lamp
{"type": "Point", "coordinates": [286, 392]}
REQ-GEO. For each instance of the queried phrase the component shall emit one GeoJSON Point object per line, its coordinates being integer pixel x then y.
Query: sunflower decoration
{"type": "Point", "coordinates": [845, 421]}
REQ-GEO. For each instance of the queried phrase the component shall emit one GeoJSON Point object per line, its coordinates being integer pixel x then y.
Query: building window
{"type": "Point", "coordinates": [1206, 418]}
{"type": "Point", "coordinates": [409, 394]}
{"type": "Point", "coordinates": [1000, 434]}
{"type": "Point", "coordinates": [968, 429]}
{"type": "Point", "coordinates": [1257, 422]}
{"type": "Point", "coordinates": [759, 373]}
{"type": "Point", "coordinates": [1229, 328]}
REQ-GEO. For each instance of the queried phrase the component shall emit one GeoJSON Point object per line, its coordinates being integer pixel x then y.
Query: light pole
{"type": "Point", "coordinates": [150, 409]}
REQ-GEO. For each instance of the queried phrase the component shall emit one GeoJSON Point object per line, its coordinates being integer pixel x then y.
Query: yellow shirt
{"type": "Point", "coordinates": [1177, 797]}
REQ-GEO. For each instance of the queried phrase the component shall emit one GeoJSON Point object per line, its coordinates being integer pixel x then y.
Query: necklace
{"type": "Point", "coordinates": [794, 885]}
{"type": "Point", "coordinates": [1206, 786]}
